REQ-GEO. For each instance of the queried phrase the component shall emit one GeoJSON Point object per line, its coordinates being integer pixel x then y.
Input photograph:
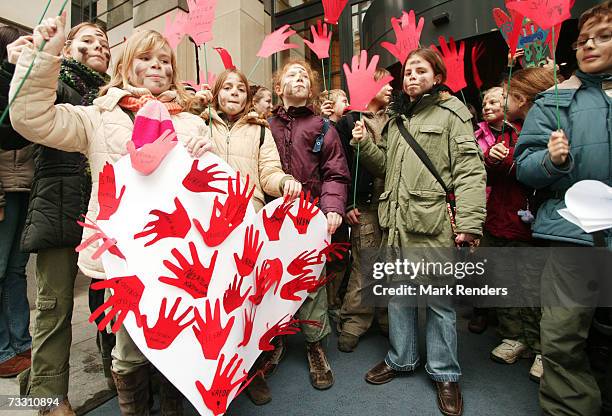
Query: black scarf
{"type": "Point", "coordinates": [82, 79]}
{"type": "Point", "coordinates": [403, 105]}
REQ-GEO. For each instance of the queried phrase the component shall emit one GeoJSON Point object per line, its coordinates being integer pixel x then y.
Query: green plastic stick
{"type": "Point", "coordinates": [329, 64]}
{"type": "Point", "coordinates": [323, 73]}
{"type": "Point", "coordinates": [556, 81]}
{"type": "Point", "coordinates": [254, 67]}
{"type": "Point", "coordinates": [356, 170]}
{"type": "Point", "coordinates": [210, 120]}
{"type": "Point", "coordinates": [463, 96]}
{"type": "Point", "coordinates": [506, 102]}
{"type": "Point", "coordinates": [42, 16]}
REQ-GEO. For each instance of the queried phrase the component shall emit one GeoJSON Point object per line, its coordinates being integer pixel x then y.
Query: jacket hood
{"type": "Point", "coordinates": [403, 105]}
{"type": "Point", "coordinates": [252, 117]}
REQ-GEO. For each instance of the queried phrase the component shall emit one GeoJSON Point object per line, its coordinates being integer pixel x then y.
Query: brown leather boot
{"type": "Point", "coordinates": [258, 390]}
{"type": "Point", "coordinates": [133, 392]}
{"type": "Point", "coordinates": [321, 376]}
{"type": "Point", "coordinates": [171, 400]}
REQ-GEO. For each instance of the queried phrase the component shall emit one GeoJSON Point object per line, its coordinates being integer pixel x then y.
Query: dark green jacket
{"type": "Point", "coordinates": [586, 119]}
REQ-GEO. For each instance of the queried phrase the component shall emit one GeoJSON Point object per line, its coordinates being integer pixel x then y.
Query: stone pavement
{"type": "Point", "coordinates": [87, 383]}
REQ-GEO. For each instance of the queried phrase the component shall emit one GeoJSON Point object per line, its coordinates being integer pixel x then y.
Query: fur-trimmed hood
{"type": "Point", "coordinates": [252, 117]}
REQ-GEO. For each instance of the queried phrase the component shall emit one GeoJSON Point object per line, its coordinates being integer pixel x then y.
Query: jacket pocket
{"type": "Point", "coordinates": [47, 314]}
{"type": "Point", "coordinates": [383, 210]}
{"type": "Point", "coordinates": [426, 211]}
{"type": "Point", "coordinates": [467, 145]}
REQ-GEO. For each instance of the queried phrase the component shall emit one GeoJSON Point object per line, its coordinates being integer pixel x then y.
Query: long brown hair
{"type": "Point", "coordinates": [529, 82]}
{"type": "Point", "coordinates": [248, 104]}
{"type": "Point", "coordinates": [139, 42]}
{"type": "Point", "coordinates": [434, 59]}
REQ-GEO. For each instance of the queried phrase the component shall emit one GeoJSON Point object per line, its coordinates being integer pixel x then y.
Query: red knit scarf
{"type": "Point", "coordinates": [134, 104]}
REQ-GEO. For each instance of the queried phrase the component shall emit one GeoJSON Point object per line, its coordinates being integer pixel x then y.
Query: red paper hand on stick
{"type": "Point", "coordinates": [303, 282]}
{"type": "Point", "coordinates": [305, 259]}
{"type": "Point", "coordinates": [360, 81]}
{"type": "Point", "coordinates": [334, 250]}
{"type": "Point", "coordinates": [175, 29]}
{"type": "Point", "coordinates": [287, 328]}
{"type": "Point", "coordinates": [175, 224]}
{"type": "Point", "coordinates": [269, 275]}
{"type": "Point", "coordinates": [166, 329]}
{"type": "Point", "coordinates": [546, 13]}
{"type": "Point", "coordinates": [201, 19]}
{"type": "Point", "coordinates": [146, 159]}
{"type": "Point", "coordinates": [477, 51]}
{"type": "Point", "coordinates": [274, 223]}
{"type": "Point", "coordinates": [107, 189]}
{"type": "Point", "coordinates": [453, 60]}
{"type": "Point", "coordinates": [321, 40]}
{"type": "Point", "coordinates": [211, 334]}
{"type": "Point", "coordinates": [407, 35]}
{"type": "Point", "coordinates": [226, 58]}
{"type": "Point", "coordinates": [192, 278]}
{"type": "Point", "coordinates": [275, 42]}
{"type": "Point", "coordinates": [249, 317]}
{"type": "Point", "coordinates": [232, 299]}
{"type": "Point", "coordinates": [199, 180]}
{"type": "Point", "coordinates": [333, 10]}
{"type": "Point", "coordinates": [109, 244]}
{"type": "Point", "coordinates": [222, 385]}
{"type": "Point", "coordinates": [306, 212]}
{"type": "Point", "coordinates": [250, 252]}
{"type": "Point", "coordinates": [127, 292]}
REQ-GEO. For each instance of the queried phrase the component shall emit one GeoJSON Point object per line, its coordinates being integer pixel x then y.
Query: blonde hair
{"type": "Point", "coordinates": [140, 42]}
{"type": "Point", "coordinates": [332, 95]}
{"type": "Point", "coordinates": [314, 76]}
{"type": "Point", "coordinates": [529, 82]}
{"type": "Point", "coordinates": [494, 90]}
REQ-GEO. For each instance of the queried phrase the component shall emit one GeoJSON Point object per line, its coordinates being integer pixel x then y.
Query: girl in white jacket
{"type": "Point", "coordinates": [145, 71]}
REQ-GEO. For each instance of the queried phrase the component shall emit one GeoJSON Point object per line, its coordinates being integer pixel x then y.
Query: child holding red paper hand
{"type": "Point", "coordinates": [333, 104]}
{"type": "Point", "coordinates": [146, 71]}
{"type": "Point", "coordinates": [324, 173]}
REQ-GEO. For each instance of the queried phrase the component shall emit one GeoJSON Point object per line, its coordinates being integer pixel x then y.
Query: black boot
{"type": "Point", "coordinates": [133, 392]}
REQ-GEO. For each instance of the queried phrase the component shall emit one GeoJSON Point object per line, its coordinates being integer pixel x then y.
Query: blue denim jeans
{"type": "Point", "coordinates": [14, 309]}
{"type": "Point", "coordinates": [441, 338]}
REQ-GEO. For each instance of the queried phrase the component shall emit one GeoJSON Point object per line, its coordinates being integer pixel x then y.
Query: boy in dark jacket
{"type": "Point", "coordinates": [324, 173]}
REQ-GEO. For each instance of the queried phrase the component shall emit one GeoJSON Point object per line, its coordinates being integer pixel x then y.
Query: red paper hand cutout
{"type": "Point", "coordinates": [127, 292]}
{"type": "Point", "coordinates": [209, 79]}
{"type": "Point", "coordinates": [304, 259]}
{"type": "Point", "coordinates": [109, 244]}
{"type": "Point", "coordinates": [175, 224]}
{"type": "Point", "coordinates": [287, 328]}
{"type": "Point", "coordinates": [334, 250]}
{"type": "Point", "coordinates": [175, 29]}
{"type": "Point", "coordinates": [192, 278]}
{"type": "Point", "coordinates": [477, 51]}
{"type": "Point", "coordinates": [199, 180]}
{"type": "Point", "coordinates": [201, 19]}
{"type": "Point", "coordinates": [249, 317]}
{"type": "Point", "coordinates": [232, 299]}
{"type": "Point", "coordinates": [222, 385]}
{"type": "Point", "coordinates": [210, 333]}
{"type": "Point", "coordinates": [107, 189]}
{"type": "Point", "coordinates": [510, 28]}
{"type": "Point", "coordinates": [270, 274]}
{"type": "Point", "coordinates": [361, 83]}
{"type": "Point", "coordinates": [166, 328]}
{"type": "Point", "coordinates": [146, 159]}
{"type": "Point", "coordinates": [303, 282]}
{"type": "Point", "coordinates": [306, 211]}
{"type": "Point", "coordinates": [333, 10]}
{"type": "Point", "coordinates": [274, 223]}
{"type": "Point", "coordinates": [320, 40]}
{"type": "Point", "coordinates": [275, 42]}
{"type": "Point", "coordinates": [453, 60]}
{"type": "Point", "coordinates": [250, 252]}
{"type": "Point", "coordinates": [407, 36]}
{"type": "Point", "coordinates": [546, 13]}
{"type": "Point", "coordinates": [228, 63]}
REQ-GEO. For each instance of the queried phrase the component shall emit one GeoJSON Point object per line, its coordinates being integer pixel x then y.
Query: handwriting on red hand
{"type": "Point", "coordinates": [232, 299]}
{"type": "Point", "coordinates": [107, 189]}
{"type": "Point", "coordinates": [146, 159]}
{"type": "Point", "coordinates": [303, 282]}
{"type": "Point", "coordinates": [222, 385]}
{"type": "Point", "coordinates": [249, 317]}
{"type": "Point", "coordinates": [270, 275]}
{"type": "Point", "coordinates": [274, 223]}
{"type": "Point", "coordinates": [175, 224]}
{"type": "Point", "coordinates": [546, 13]}
{"type": "Point", "coordinates": [306, 211]}
{"type": "Point", "coordinates": [211, 334]}
{"type": "Point", "coordinates": [287, 328]}
{"type": "Point", "coordinates": [109, 244]}
{"type": "Point", "coordinates": [192, 278]}
{"type": "Point", "coordinates": [201, 19]}
{"type": "Point", "coordinates": [321, 39]}
{"type": "Point", "coordinates": [361, 83]}
{"type": "Point", "coordinates": [304, 259]}
{"type": "Point", "coordinates": [453, 60]}
{"type": "Point", "coordinates": [166, 328]}
{"type": "Point", "coordinates": [127, 292]}
{"type": "Point", "coordinates": [199, 180]}
{"type": "Point", "coordinates": [334, 250]}
{"type": "Point", "coordinates": [407, 35]}
{"type": "Point", "coordinates": [250, 252]}
{"type": "Point", "coordinates": [275, 42]}
{"type": "Point", "coordinates": [175, 29]}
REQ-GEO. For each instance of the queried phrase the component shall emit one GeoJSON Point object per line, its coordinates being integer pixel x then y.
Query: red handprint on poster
{"type": "Point", "coordinates": [199, 180]}
{"type": "Point", "coordinates": [332, 250]}
{"type": "Point", "coordinates": [107, 191]}
{"type": "Point", "coordinates": [305, 259]}
{"type": "Point", "coordinates": [303, 282]}
{"type": "Point", "coordinates": [232, 299]}
{"type": "Point", "coordinates": [269, 275]}
{"type": "Point", "coordinates": [250, 252]}
{"type": "Point", "coordinates": [192, 278]}
{"type": "Point", "coordinates": [249, 317]}
{"type": "Point", "coordinates": [146, 159]}
{"type": "Point", "coordinates": [127, 292]}
{"type": "Point", "coordinates": [286, 328]}
{"type": "Point", "coordinates": [223, 384]}
{"type": "Point", "coordinates": [109, 244]}
{"type": "Point", "coordinates": [306, 212]}
{"type": "Point", "coordinates": [274, 223]}
{"type": "Point", "coordinates": [175, 224]}
{"type": "Point", "coordinates": [166, 329]}
{"type": "Point", "coordinates": [211, 334]}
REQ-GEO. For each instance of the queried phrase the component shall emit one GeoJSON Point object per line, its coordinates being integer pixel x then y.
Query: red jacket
{"type": "Point", "coordinates": [325, 174]}
{"type": "Point", "coordinates": [508, 196]}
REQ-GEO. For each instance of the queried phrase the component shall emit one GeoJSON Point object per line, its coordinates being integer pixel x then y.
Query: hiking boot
{"type": "Point", "coordinates": [258, 390]}
{"type": "Point", "coordinates": [133, 391]}
{"type": "Point", "coordinates": [347, 342]}
{"type": "Point", "coordinates": [270, 364]}
{"type": "Point", "coordinates": [537, 369]}
{"type": "Point", "coordinates": [321, 376]}
{"type": "Point", "coordinates": [509, 351]}
{"type": "Point", "coordinates": [63, 409]}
